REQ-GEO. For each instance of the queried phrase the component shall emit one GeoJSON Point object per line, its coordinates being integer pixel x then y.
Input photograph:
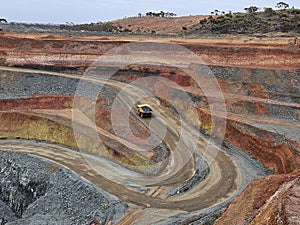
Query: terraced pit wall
{"type": "Point", "coordinates": [262, 103]}
{"type": "Point", "coordinates": [253, 97]}
{"type": "Point", "coordinates": [80, 52]}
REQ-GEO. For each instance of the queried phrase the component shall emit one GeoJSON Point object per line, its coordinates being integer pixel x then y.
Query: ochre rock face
{"type": "Point", "coordinates": [283, 158]}
{"type": "Point", "coordinates": [48, 118]}
{"type": "Point", "coordinates": [269, 200]}
{"type": "Point", "coordinates": [18, 125]}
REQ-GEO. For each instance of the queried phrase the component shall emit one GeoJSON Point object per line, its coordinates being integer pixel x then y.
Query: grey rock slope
{"type": "Point", "coordinates": [35, 191]}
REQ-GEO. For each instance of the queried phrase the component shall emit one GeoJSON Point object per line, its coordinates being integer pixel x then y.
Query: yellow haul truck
{"type": "Point", "coordinates": [144, 110]}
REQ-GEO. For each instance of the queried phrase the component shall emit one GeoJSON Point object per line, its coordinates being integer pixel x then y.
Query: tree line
{"type": "Point", "coordinates": [253, 9]}
{"type": "Point", "coordinates": [279, 5]}
{"type": "Point", "coordinates": [159, 14]}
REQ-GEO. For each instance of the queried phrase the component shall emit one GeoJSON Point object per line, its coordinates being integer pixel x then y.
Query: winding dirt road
{"type": "Point", "coordinates": [228, 173]}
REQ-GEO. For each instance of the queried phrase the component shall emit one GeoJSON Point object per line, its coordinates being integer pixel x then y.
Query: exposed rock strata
{"type": "Point", "coordinates": [262, 105]}
{"type": "Point", "coordinates": [63, 52]}
{"type": "Point", "coordinates": [34, 191]}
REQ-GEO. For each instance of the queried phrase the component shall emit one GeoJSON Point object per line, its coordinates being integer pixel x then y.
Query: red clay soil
{"type": "Point", "coordinates": [265, 148]}
{"type": "Point", "coordinates": [30, 49]}
{"type": "Point", "coordinates": [250, 206]}
{"type": "Point", "coordinates": [248, 56]}
{"type": "Point", "coordinates": [38, 102]}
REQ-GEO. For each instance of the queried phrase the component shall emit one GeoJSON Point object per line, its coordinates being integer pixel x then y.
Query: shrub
{"type": "Point", "coordinates": [251, 22]}
{"type": "Point", "coordinates": [229, 15]}
{"type": "Point", "coordinates": [283, 15]}
{"type": "Point", "coordinates": [203, 21]}
{"type": "Point", "coordinates": [251, 9]}
{"type": "Point", "coordinates": [285, 26]}
{"type": "Point", "coordinates": [269, 11]}
{"type": "Point", "coordinates": [295, 11]}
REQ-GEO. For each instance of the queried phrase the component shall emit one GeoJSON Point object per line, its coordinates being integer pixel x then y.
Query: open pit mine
{"type": "Point", "coordinates": [221, 146]}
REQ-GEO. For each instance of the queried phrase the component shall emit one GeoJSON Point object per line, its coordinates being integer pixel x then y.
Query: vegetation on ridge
{"type": "Point", "coordinates": [253, 21]}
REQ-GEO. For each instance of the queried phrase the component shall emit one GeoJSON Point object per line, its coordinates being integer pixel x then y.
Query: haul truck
{"type": "Point", "coordinates": [144, 110]}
